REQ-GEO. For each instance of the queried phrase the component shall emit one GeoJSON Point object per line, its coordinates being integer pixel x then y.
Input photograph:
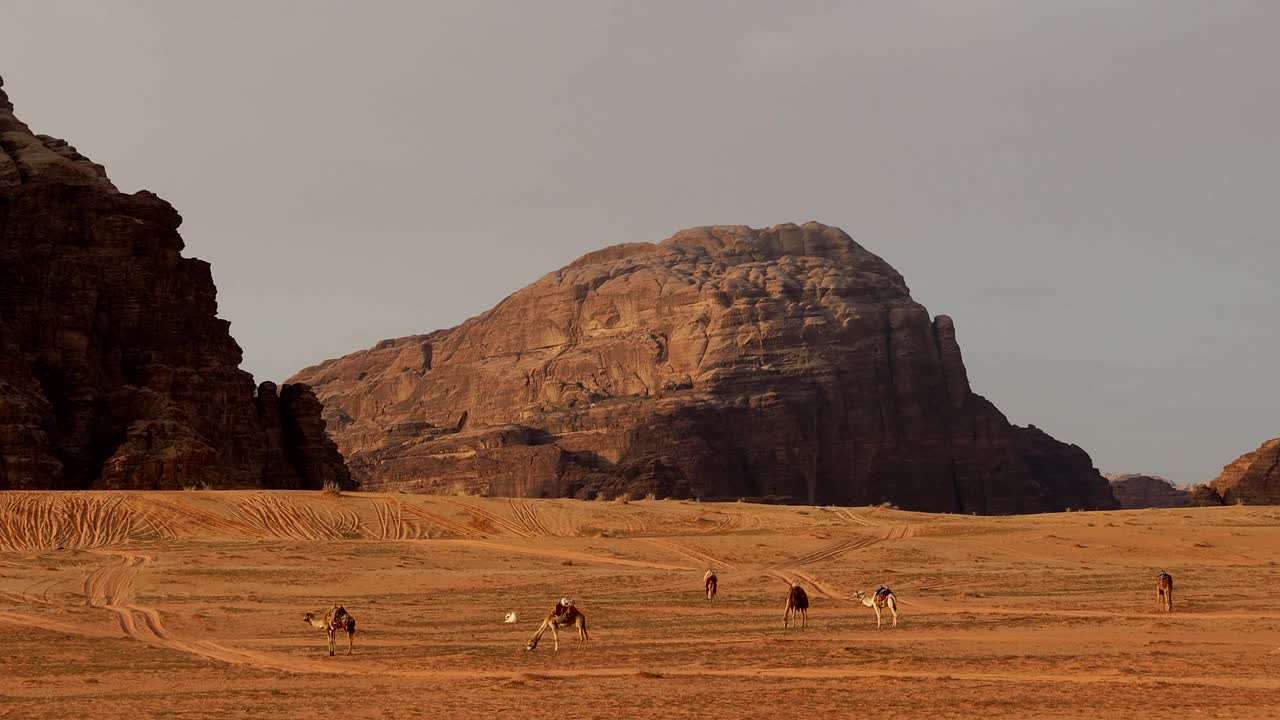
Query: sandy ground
{"type": "Point", "coordinates": [188, 605]}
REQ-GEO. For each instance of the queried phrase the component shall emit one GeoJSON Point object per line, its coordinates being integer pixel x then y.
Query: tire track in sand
{"type": "Point", "coordinates": [494, 519]}
{"type": "Point", "coordinates": [38, 521]}
{"type": "Point", "coordinates": [112, 588]}
{"type": "Point", "coordinates": [689, 553]}
{"type": "Point", "coordinates": [791, 572]}
{"type": "Point", "coordinates": [279, 517]}
{"type": "Point", "coordinates": [528, 518]}
{"type": "Point", "coordinates": [554, 554]}
{"type": "Point", "coordinates": [855, 518]}
{"type": "Point", "coordinates": [897, 532]}
{"type": "Point", "coordinates": [453, 527]}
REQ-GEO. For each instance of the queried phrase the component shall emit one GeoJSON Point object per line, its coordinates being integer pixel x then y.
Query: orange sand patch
{"type": "Point", "coordinates": [136, 605]}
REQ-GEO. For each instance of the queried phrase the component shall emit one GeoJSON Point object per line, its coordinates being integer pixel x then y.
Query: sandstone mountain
{"type": "Point", "coordinates": [787, 364]}
{"type": "Point", "coordinates": [1134, 492]}
{"type": "Point", "coordinates": [1253, 478]}
{"type": "Point", "coordinates": [115, 371]}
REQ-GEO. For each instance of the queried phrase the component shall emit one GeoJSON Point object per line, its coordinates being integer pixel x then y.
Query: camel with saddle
{"type": "Point", "coordinates": [337, 618]}
{"type": "Point", "coordinates": [565, 614]}
{"type": "Point", "coordinates": [882, 598]}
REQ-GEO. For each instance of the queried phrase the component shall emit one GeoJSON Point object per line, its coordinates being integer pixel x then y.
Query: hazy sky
{"type": "Point", "coordinates": [1091, 189]}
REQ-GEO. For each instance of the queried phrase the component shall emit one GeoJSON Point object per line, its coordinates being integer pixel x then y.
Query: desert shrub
{"type": "Point", "coordinates": [651, 496]}
{"type": "Point", "coordinates": [332, 487]}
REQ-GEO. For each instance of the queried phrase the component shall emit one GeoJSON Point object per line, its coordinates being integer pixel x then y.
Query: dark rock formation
{"type": "Point", "coordinates": [115, 371]}
{"type": "Point", "coordinates": [1253, 478]}
{"type": "Point", "coordinates": [787, 364]}
{"type": "Point", "coordinates": [1204, 495]}
{"type": "Point", "coordinates": [1135, 492]}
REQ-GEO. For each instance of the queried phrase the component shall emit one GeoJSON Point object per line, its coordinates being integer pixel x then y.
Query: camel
{"type": "Point", "coordinates": [882, 598]}
{"type": "Point", "coordinates": [797, 605]}
{"type": "Point", "coordinates": [511, 617]}
{"type": "Point", "coordinates": [337, 618]}
{"type": "Point", "coordinates": [563, 615]}
{"type": "Point", "coordinates": [711, 583]}
{"type": "Point", "coordinates": [1164, 591]}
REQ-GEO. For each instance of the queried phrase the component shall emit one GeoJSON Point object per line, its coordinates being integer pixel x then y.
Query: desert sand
{"type": "Point", "coordinates": [189, 605]}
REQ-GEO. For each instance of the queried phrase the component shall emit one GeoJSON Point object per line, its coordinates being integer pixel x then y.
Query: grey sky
{"type": "Point", "coordinates": [1091, 189]}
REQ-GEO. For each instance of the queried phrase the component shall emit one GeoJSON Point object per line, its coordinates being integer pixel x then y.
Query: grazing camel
{"type": "Point", "coordinates": [882, 598]}
{"type": "Point", "coordinates": [562, 616]}
{"type": "Point", "coordinates": [337, 618]}
{"type": "Point", "coordinates": [711, 582]}
{"type": "Point", "coordinates": [1164, 591]}
{"type": "Point", "coordinates": [797, 605]}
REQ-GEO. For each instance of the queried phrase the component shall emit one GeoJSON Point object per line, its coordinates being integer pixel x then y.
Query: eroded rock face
{"type": "Point", "coordinates": [1134, 492]}
{"type": "Point", "coordinates": [115, 371]}
{"type": "Point", "coordinates": [1253, 478]}
{"type": "Point", "coordinates": [787, 364]}
{"type": "Point", "coordinates": [1203, 495]}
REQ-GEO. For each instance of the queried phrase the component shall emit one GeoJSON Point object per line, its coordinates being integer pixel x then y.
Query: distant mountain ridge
{"type": "Point", "coordinates": [1134, 491]}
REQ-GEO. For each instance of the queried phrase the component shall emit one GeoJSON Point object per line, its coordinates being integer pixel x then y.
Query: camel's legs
{"type": "Point", "coordinates": [332, 633]}
{"type": "Point", "coordinates": [786, 614]}
{"type": "Point", "coordinates": [351, 641]}
{"type": "Point", "coordinates": [555, 635]}
{"type": "Point", "coordinates": [893, 608]}
{"type": "Point", "coordinates": [877, 609]}
{"type": "Point", "coordinates": [1168, 598]}
{"type": "Point", "coordinates": [533, 641]}
{"type": "Point", "coordinates": [804, 618]}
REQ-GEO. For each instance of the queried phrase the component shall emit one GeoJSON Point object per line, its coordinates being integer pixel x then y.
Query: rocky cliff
{"type": "Point", "coordinates": [115, 371]}
{"type": "Point", "coordinates": [1135, 492]}
{"type": "Point", "coordinates": [788, 364]}
{"type": "Point", "coordinates": [1253, 478]}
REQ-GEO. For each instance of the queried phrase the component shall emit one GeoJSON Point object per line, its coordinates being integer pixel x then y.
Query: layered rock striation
{"type": "Point", "coordinates": [786, 364]}
{"type": "Point", "coordinates": [1252, 478]}
{"type": "Point", "coordinates": [115, 371]}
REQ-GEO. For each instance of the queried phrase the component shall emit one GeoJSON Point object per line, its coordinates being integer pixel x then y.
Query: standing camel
{"type": "Point", "coordinates": [1164, 591]}
{"type": "Point", "coordinates": [711, 582]}
{"type": "Point", "coordinates": [797, 606]}
{"type": "Point", "coordinates": [882, 598]}
{"type": "Point", "coordinates": [337, 618]}
{"type": "Point", "coordinates": [562, 616]}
